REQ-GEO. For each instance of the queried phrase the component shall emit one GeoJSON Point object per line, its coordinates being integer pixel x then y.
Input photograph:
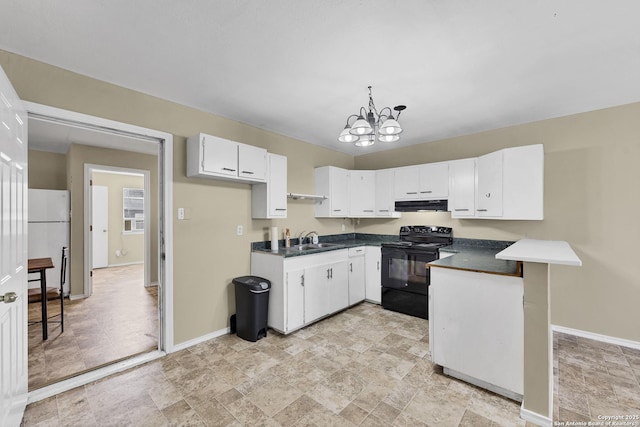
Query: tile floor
{"type": "Point", "coordinates": [365, 366]}
{"type": "Point", "coordinates": [594, 379]}
{"type": "Point", "coordinates": [119, 320]}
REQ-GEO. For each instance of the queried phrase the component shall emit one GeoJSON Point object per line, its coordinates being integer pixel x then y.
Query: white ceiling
{"type": "Point", "coordinates": [56, 136]}
{"type": "Point", "coordinates": [299, 68]}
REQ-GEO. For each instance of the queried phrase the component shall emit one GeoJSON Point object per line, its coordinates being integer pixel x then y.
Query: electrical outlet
{"type": "Point", "coordinates": [180, 213]}
{"type": "Point", "coordinates": [240, 230]}
{"type": "Point", "coordinates": [344, 228]}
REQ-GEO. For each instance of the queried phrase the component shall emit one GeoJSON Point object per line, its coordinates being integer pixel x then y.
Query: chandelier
{"type": "Point", "coordinates": [371, 126]}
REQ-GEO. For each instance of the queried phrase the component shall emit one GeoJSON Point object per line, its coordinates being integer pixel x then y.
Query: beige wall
{"type": "Point", "coordinates": [77, 157]}
{"type": "Point", "coordinates": [591, 201]}
{"type": "Point", "coordinates": [590, 178]}
{"type": "Point", "coordinates": [129, 245]}
{"type": "Point", "coordinates": [47, 170]}
{"type": "Point", "coordinates": [207, 252]}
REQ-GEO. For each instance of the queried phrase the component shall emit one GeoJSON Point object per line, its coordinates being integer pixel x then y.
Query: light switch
{"type": "Point", "coordinates": [240, 230]}
{"type": "Point", "coordinates": [180, 213]}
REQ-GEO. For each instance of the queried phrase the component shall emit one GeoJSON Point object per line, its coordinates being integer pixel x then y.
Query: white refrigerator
{"type": "Point", "coordinates": [49, 231]}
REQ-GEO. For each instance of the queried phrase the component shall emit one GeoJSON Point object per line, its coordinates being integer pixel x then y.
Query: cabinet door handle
{"type": "Point", "coordinates": [302, 280]}
{"type": "Point", "coordinates": [378, 265]}
{"type": "Point", "coordinates": [368, 210]}
{"type": "Point", "coordinates": [331, 272]}
{"type": "Point", "coordinates": [228, 169]}
{"type": "Point", "coordinates": [337, 210]}
{"type": "Point", "coordinates": [281, 209]}
{"type": "Point", "coordinates": [383, 210]}
{"type": "Point", "coordinates": [203, 156]}
{"type": "Point", "coordinates": [426, 192]}
{"type": "Point", "coordinates": [248, 172]}
{"type": "Point", "coordinates": [412, 192]}
{"type": "Point", "coordinates": [481, 210]}
{"type": "Point", "coordinates": [351, 267]}
{"type": "Point", "coordinates": [461, 210]}
{"type": "Point", "coordinates": [328, 277]}
{"type": "Point", "coordinates": [488, 195]}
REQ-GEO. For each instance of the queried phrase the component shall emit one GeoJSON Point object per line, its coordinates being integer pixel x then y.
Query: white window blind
{"type": "Point", "coordinates": [133, 210]}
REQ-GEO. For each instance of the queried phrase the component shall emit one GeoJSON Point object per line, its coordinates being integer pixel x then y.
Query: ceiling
{"type": "Point", "coordinates": [299, 68]}
{"type": "Point", "coordinates": [56, 136]}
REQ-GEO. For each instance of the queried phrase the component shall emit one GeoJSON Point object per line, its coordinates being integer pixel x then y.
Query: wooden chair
{"type": "Point", "coordinates": [35, 294]}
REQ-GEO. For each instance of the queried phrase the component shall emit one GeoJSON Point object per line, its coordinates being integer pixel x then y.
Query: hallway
{"type": "Point", "coordinates": [119, 320]}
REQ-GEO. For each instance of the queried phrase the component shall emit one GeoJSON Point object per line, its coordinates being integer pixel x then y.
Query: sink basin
{"type": "Point", "coordinates": [310, 246]}
{"type": "Point", "coordinates": [324, 245]}
{"type": "Point", "coordinates": [303, 247]}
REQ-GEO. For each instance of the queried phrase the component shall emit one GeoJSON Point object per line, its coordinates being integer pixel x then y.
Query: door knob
{"type": "Point", "coordinates": [9, 297]}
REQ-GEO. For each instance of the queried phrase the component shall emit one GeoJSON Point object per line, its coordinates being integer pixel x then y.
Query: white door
{"type": "Point", "coordinates": [13, 255]}
{"type": "Point", "coordinates": [99, 226]}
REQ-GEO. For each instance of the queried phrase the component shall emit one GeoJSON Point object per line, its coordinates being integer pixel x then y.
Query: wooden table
{"type": "Point", "coordinates": [41, 265]}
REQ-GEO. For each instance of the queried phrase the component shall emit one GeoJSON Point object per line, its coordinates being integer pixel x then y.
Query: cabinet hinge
{"type": "Point", "coordinates": [302, 280]}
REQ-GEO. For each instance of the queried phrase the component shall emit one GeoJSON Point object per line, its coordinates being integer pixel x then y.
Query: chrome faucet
{"type": "Point", "coordinates": [301, 237]}
{"type": "Point", "coordinates": [311, 233]}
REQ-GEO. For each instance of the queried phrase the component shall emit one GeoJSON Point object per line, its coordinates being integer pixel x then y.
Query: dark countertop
{"type": "Point", "coordinates": [478, 256]}
{"type": "Point", "coordinates": [342, 241]}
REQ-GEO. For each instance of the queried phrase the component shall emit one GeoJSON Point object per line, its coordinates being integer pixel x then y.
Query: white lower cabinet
{"type": "Point", "coordinates": [303, 288]}
{"type": "Point", "coordinates": [476, 328]}
{"type": "Point", "coordinates": [295, 298]}
{"type": "Point", "coordinates": [356, 275]}
{"type": "Point", "coordinates": [373, 280]}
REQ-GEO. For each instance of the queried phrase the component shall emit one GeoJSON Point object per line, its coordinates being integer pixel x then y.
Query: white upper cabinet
{"type": "Point", "coordinates": [424, 182]}
{"type": "Point", "coordinates": [462, 188]}
{"type": "Point", "coordinates": [213, 157]}
{"type": "Point", "coordinates": [252, 162]}
{"type": "Point", "coordinates": [385, 200]}
{"type": "Point", "coordinates": [333, 183]}
{"type": "Point", "coordinates": [510, 184]}
{"type": "Point", "coordinates": [362, 193]}
{"type": "Point", "coordinates": [434, 181]}
{"type": "Point", "coordinates": [489, 181]}
{"type": "Point", "coordinates": [407, 183]}
{"type": "Point", "coordinates": [269, 200]}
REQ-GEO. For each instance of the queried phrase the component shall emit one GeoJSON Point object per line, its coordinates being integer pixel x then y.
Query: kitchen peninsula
{"type": "Point", "coordinates": [476, 322]}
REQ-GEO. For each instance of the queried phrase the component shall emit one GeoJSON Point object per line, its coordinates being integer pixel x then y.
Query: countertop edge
{"type": "Point", "coordinates": [541, 251]}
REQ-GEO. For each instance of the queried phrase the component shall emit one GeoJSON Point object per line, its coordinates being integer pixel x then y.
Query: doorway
{"type": "Point", "coordinates": [108, 134]}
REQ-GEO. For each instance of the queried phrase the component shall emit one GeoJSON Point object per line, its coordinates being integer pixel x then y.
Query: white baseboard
{"type": "Point", "coordinates": [125, 263]}
{"type": "Point", "coordinates": [203, 338]}
{"type": "Point", "coordinates": [535, 418]}
{"type": "Point", "coordinates": [150, 285]}
{"type": "Point", "coordinates": [598, 337]}
{"type": "Point", "coordinates": [76, 297]}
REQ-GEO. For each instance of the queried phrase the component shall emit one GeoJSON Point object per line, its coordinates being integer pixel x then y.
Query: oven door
{"type": "Point", "coordinates": [406, 270]}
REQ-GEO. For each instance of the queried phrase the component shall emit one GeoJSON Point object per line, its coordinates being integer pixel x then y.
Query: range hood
{"type": "Point", "coordinates": [421, 205]}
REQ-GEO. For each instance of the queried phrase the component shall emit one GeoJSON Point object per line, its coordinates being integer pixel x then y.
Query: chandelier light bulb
{"type": "Point", "coordinates": [361, 127]}
{"type": "Point", "coordinates": [346, 136]}
{"type": "Point", "coordinates": [388, 138]}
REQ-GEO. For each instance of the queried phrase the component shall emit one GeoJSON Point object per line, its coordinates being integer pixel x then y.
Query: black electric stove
{"type": "Point", "coordinates": [404, 274]}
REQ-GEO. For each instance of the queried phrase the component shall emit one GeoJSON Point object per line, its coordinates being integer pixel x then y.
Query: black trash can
{"type": "Point", "coordinates": [252, 307]}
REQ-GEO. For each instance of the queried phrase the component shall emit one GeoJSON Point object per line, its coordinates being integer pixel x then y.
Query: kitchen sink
{"type": "Point", "coordinates": [324, 245]}
{"type": "Point", "coordinates": [310, 246]}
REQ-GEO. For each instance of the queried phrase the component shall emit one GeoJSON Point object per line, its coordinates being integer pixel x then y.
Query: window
{"type": "Point", "coordinates": [133, 210]}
